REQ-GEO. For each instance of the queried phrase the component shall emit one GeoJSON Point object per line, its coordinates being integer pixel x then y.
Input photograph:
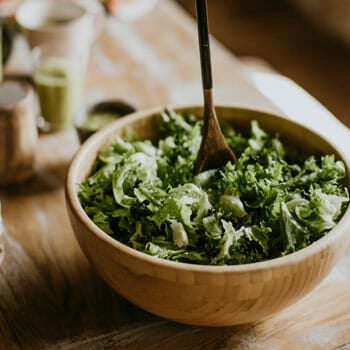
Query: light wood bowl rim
{"type": "Point", "coordinates": [290, 259]}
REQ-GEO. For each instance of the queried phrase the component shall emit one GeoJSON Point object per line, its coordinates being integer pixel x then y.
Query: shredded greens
{"type": "Point", "coordinates": [272, 201]}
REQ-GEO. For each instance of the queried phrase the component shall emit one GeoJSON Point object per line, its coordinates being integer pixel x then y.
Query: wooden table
{"type": "Point", "coordinates": [50, 298]}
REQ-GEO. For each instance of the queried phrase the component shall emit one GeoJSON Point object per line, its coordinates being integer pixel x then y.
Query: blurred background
{"type": "Point", "coordinates": [306, 40]}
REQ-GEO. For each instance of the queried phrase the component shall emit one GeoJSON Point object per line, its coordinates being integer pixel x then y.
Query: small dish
{"type": "Point", "coordinates": [100, 115]}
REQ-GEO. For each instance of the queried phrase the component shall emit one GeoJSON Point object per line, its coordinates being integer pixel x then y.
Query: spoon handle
{"type": "Point", "coordinates": [204, 48]}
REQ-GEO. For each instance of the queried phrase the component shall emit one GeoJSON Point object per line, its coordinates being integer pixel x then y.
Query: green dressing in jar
{"type": "Point", "coordinates": [58, 89]}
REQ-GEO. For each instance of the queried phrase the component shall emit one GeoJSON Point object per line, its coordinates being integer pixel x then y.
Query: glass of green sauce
{"type": "Point", "coordinates": [58, 83]}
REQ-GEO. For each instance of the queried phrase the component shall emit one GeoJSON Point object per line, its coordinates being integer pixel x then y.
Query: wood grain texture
{"type": "Point", "coordinates": [50, 298]}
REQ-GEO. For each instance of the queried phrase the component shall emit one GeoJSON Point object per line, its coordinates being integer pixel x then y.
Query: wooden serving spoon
{"type": "Point", "coordinates": [214, 150]}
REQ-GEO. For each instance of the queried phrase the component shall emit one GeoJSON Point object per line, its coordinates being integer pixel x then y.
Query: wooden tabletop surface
{"type": "Point", "coordinates": [50, 298]}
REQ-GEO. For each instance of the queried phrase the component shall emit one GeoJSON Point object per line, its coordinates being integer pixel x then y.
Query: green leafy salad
{"type": "Point", "coordinates": [272, 201]}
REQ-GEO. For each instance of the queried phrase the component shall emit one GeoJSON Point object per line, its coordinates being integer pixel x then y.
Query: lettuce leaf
{"type": "Point", "coordinates": [274, 200]}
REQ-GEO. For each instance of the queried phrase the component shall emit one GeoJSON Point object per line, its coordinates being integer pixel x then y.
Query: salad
{"type": "Point", "coordinates": [274, 200]}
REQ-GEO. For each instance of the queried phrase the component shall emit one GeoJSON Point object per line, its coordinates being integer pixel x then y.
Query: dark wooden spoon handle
{"type": "Point", "coordinates": [204, 48]}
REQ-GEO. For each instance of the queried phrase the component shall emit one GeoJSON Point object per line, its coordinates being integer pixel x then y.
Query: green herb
{"type": "Point", "coordinates": [273, 201]}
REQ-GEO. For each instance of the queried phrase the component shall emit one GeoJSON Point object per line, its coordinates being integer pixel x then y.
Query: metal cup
{"type": "Point", "coordinates": [18, 132]}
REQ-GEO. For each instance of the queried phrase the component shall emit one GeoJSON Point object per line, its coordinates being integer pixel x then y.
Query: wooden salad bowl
{"type": "Point", "coordinates": [200, 294]}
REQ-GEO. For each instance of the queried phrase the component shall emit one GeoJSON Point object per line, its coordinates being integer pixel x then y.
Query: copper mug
{"type": "Point", "coordinates": [18, 131]}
